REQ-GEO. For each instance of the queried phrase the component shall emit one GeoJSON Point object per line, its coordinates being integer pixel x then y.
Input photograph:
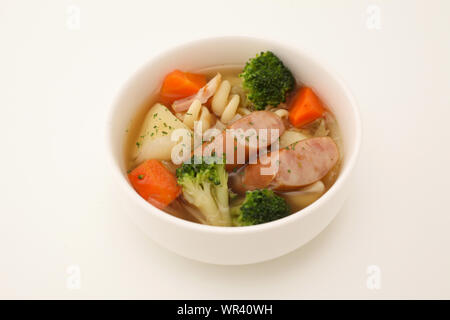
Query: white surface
{"type": "Point", "coordinates": [56, 204]}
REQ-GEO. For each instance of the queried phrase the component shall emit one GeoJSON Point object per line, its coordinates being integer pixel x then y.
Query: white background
{"type": "Point", "coordinates": [56, 202]}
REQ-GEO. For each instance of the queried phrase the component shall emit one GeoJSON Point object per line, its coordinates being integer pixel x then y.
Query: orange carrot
{"type": "Point", "coordinates": [155, 183]}
{"type": "Point", "coordinates": [306, 107]}
{"type": "Point", "coordinates": [178, 85]}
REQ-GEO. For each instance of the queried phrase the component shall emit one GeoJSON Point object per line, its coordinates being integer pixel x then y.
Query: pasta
{"type": "Point", "coordinates": [197, 112]}
{"type": "Point", "coordinates": [222, 105]}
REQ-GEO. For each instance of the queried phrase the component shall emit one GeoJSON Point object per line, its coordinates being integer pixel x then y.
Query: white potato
{"type": "Point", "coordinates": [154, 138]}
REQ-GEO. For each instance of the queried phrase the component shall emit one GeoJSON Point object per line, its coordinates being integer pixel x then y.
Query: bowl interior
{"type": "Point", "coordinates": [232, 50]}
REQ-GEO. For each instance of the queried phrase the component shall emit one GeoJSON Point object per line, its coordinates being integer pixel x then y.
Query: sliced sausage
{"type": "Point", "coordinates": [261, 120]}
{"type": "Point", "coordinates": [256, 120]}
{"type": "Point", "coordinates": [299, 164]}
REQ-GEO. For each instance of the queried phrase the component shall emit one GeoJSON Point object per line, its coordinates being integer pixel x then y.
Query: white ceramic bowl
{"type": "Point", "coordinates": [233, 245]}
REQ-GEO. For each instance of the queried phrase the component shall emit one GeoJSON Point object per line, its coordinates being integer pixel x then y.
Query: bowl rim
{"type": "Point", "coordinates": [179, 222]}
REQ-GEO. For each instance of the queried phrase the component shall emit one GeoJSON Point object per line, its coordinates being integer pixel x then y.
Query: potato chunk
{"type": "Point", "coordinates": [154, 140]}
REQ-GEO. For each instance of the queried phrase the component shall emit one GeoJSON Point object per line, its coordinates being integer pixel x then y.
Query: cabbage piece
{"type": "Point", "coordinates": [303, 197]}
{"type": "Point", "coordinates": [291, 136]}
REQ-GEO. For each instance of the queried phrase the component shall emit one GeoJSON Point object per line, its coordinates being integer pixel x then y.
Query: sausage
{"type": "Point", "coordinates": [260, 120]}
{"type": "Point", "coordinates": [299, 164]}
{"type": "Point", "coordinates": [256, 120]}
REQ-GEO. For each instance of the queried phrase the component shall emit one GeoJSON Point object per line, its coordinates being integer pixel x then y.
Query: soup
{"type": "Point", "coordinates": [233, 145]}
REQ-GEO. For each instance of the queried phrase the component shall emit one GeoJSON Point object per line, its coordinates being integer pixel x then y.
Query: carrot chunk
{"type": "Point", "coordinates": [179, 84]}
{"type": "Point", "coordinates": [155, 183]}
{"type": "Point", "coordinates": [306, 107]}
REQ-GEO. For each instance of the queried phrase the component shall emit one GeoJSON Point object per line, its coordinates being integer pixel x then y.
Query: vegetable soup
{"type": "Point", "coordinates": [233, 145]}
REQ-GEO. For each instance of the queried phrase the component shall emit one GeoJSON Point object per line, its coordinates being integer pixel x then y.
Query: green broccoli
{"type": "Point", "coordinates": [204, 183]}
{"type": "Point", "coordinates": [259, 206]}
{"type": "Point", "coordinates": [266, 80]}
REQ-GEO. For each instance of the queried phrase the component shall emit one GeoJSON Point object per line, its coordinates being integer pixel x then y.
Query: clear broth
{"type": "Point", "coordinates": [179, 208]}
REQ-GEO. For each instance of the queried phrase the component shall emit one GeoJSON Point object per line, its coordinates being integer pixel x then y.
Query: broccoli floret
{"type": "Point", "coordinates": [259, 206]}
{"type": "Point", "coordinates": [266, 80]}
{"type": "Point", "coordinates": [204, 183]}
